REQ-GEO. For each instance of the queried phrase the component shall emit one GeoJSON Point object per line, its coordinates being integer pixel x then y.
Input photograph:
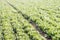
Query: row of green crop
{"type": "Point", "coordinates": [14, 26]}
{"type": "Point", "coordinates": [45, 19]}
{"type": "Point", "coordinates": [1, 35]}
{"type": "Point", "coordinates": [0, 29]}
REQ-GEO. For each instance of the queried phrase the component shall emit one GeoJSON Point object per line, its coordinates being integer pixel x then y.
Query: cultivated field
{"type": "Point", "coordinates": [29, 19]}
